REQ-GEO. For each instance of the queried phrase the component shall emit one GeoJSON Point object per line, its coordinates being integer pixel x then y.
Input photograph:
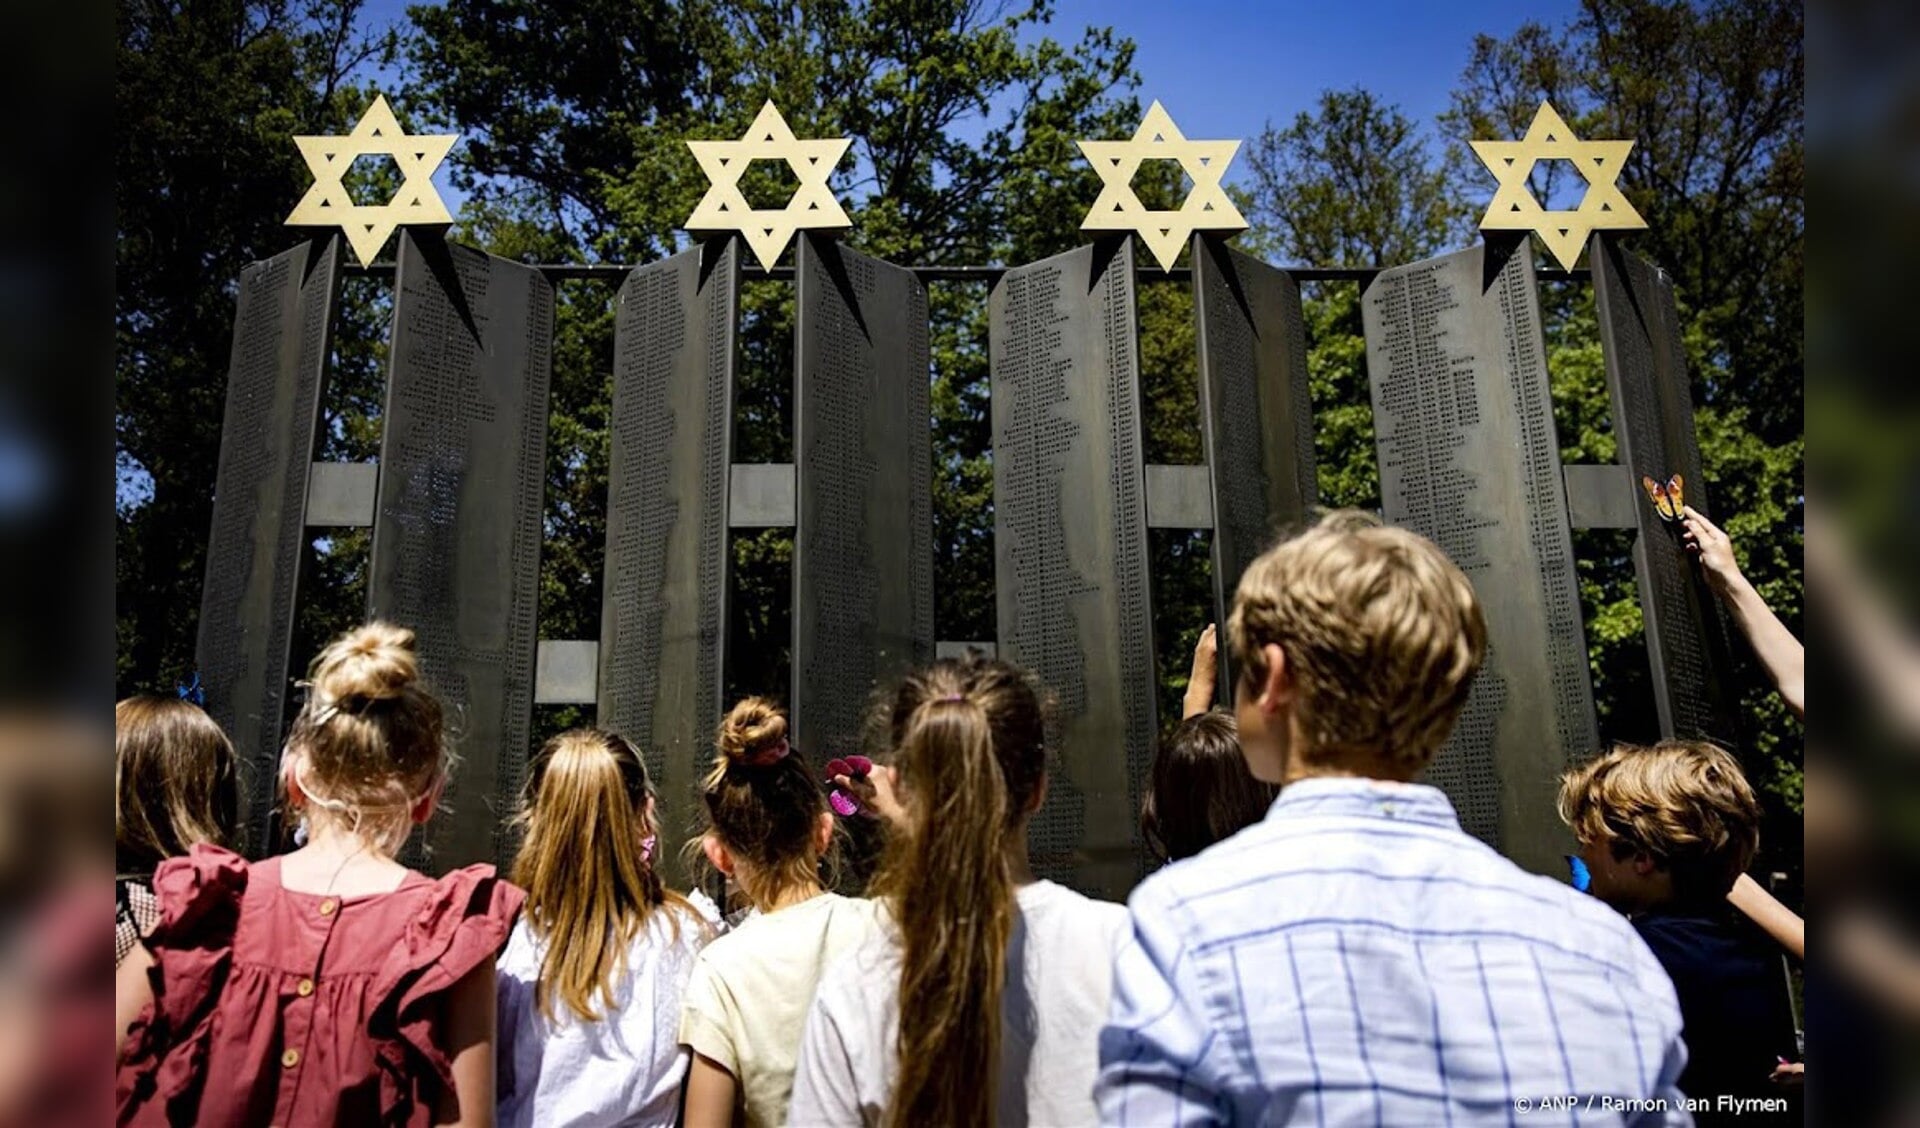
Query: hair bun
{"type": "Point", "coordinates": [751, 727]}
{"type": "Point", "coordinates": [375, 662]}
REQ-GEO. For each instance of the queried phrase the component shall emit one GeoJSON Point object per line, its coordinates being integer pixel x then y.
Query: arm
{"type": "Point", "coordinates": [1200, 681]}
{"type": "Point", "coordinates": [1781, 653]}
{"type": "Point", "coordinates": [1774, 918]}
{"type": "Point", "coordinates": [825, 1086]}
{"type": "Point", "coordinates": [711, 1095]}
{"type": "Point", "coordinates": [132, 993]}
{"type": "Point", "coordinates": [1155, 1064]}
{"type": "Point", "coordinates": [470, 1031]}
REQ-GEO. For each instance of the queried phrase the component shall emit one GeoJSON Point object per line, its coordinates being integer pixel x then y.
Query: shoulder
{"type": "Point", "coordinates": [198, 892]}
{"type": "Point", "coordinates": [1051, 905]}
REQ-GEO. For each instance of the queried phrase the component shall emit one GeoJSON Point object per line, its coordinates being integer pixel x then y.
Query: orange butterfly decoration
{"type": "Point", "coordinates": [1669, 500]}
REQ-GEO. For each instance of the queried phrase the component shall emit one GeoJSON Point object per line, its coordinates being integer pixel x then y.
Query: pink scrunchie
{"type": "Point", "coordinates": [770, 754]}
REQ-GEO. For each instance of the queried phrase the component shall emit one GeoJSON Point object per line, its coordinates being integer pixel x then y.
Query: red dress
{"type": "Point", "coordinates": [277, 1007]}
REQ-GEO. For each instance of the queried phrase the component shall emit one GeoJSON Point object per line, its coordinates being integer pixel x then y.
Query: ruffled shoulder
{"type": "Point", "coordinates": [463, 922]}
{"type": "Point", "coordinates": [198, 898]}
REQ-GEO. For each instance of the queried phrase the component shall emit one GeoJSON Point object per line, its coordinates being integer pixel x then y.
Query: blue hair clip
{"type": "Point", "coordinates": [1582, 878]}
{"type": "Point", "coordinates": [193, 691]}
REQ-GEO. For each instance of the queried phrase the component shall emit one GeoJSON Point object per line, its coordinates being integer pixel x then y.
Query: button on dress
{"type": "Point", "coordinates": [277, 1007]}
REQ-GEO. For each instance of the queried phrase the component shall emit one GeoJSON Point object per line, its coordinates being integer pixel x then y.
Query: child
{"type": "Point", "coordinates": [768, 828]}
{"type": "Point", "coordinates": [331, 985]}
{"type": "Point", "coordinates": [1664, 832]}
{"type": "Point", "coordinates": [1201, 791]}
{"type": "Point", "coordinates": [593, 975]}
{"type": "Point", "coordinates": [978, 1002]}
{"type": "Point", "coordinates": [174, 785]}
{"type": "Point", "coordinates": [1356, 957]}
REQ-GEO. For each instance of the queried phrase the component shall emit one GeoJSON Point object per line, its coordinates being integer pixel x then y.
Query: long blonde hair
{"type": "Point", "coordinates": [586, 865]}
{"type": "Point", "coordinates": [370, 742]}
{"type": "Point", "coordinates": [969, 739]}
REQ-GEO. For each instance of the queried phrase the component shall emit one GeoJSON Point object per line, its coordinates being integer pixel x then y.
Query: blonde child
{"type": "Point", "coordinates": [592, 978]}
{"type": "Point", "coordinates": [768, 828]}
{"type": "Point", "coordinates": [978, 1002]}
{"type": "Point", "coordinates": [1665, 832]}
{"type": "Point", "coordinates": [331, 985]}
{"type": "Point", "coordinates": [174, 785]}
{"type": "Point", "coordinates": [1356, 957]}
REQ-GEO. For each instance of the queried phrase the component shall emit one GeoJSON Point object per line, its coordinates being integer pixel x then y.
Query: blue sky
{"type": "Point", "coordinates": [1224, 68]}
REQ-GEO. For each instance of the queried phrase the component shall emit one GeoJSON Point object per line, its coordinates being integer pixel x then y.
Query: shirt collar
{"type": "Point", "coordinates": [1347, 797]}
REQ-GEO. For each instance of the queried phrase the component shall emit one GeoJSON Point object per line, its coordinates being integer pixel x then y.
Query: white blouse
{"type": "Point", "coordinates": [624, 1069]}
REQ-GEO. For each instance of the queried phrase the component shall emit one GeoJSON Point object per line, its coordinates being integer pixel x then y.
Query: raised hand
{"type": "Point", "coordinates": [1714, 549]}
{"type": "Point", "coordinates": [1200, 682]}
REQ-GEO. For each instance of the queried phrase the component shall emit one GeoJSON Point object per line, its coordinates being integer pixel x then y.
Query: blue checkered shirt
{"type": "Point", "coordinates": [1356, 958]}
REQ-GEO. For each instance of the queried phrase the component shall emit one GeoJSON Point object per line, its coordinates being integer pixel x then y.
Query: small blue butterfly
{"type": "Point", "coordinates": [193, 691]}
{"type": "Point", "coordinates": [1582, 877]}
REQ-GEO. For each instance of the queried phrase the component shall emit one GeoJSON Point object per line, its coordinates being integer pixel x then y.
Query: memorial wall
{"type": "Point", "coordinates": [1464, 435]}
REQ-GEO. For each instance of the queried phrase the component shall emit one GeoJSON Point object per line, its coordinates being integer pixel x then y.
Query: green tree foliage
{"type": "Point", "coordinates": [207, 97]}
{"type": "Point", "coordinates": [963, 153]}
{"type": "Point", "coordinates": [574, 114]}
{"type": "Point", "coordinates": [1713, 95]}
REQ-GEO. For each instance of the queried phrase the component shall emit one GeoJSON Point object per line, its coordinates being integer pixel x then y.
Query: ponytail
{"type": "Point", "coordinates": [586, 864]}
{"type": "Point", "coordinates": [968, 739]}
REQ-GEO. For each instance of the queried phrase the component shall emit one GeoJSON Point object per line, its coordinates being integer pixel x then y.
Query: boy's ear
{"type": "Point", "coordinates": [1276, 689]}
{"type": "Point", "coordinates": [717, 854]}
{"type": "Point", "coordinates": [823, 832]}
{"type": "Point", "coordinates": [1644, 864]}
{"type": "Point", "coordinates": [1039, 796]}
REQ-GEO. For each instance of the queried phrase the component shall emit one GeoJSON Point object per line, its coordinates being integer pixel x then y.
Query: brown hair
{"type": "Point", "coordinates": [370, 741]}
{"type": "Point", "coordinates": [1382, 634]}
{"type": "Point", "coordinates": [174, 782]}
{"type": "Point", "coordinates": [969, 739]}
{"type": "Point", "coordinates": [1684, 803]}
{"type": "Point", "coordinates": [591, 886]}
{"type": "Point", "coordinates": [1202, 791]}
{"type": "Point", "coordinates": [763, 802]}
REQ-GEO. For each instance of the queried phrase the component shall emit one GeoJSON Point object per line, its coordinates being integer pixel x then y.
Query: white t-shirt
{"type": "Point", "coordinates": [625, 1068]}
{"type": "Point", "coordinates": [747, 1002]}
{"type": "Point", "coordinates": [1060, 976]}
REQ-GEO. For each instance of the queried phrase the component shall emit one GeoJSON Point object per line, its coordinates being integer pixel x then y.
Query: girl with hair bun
{"type": "Point", "coordinates": [768, 828]}
{"type": "Point", "coordinates": [981, 1001]}
{"type": "Point", "coordinates": [592, 978]}
{"type": "Point", "coordinates": [333, 984]}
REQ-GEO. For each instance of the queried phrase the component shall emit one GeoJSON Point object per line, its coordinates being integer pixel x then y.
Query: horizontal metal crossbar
{"type": "Point", "coordinates": [615, 272]}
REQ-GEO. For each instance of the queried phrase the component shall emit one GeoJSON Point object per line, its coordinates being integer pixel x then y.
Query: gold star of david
{"type": "Point", "coordinates": [368, 227]}
{"type": "Point", "coordinates": [1514, 206]}
{"type": "Point", "coordinates": [768, 230]}
{"type": "Point", "coordinates": [1206, 208]}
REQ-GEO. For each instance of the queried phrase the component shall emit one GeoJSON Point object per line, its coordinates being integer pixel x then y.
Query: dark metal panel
{"type": "Point", "coordinates": [1256, 414]}
{"type": "Point", "coordinates": [663, 623]}
{"type": "Point", "coordinates": [863, 542]}
{"type": "Point", "coordinates": [1464, 426]}
{"type": "Point", "coordinates": [1179, 497]}
{"type": "Point", "coordinates": [1071, 558]}
{"type": "Point", "coordinates": [456, 542]}
{"type": "Point", "coordinates": [343, 495]}
{"type": "Point", "coordinates": [760, 495]}
{"type": "Point", "coordinates": [282, 334]}
{"type": "Point", "coordinates": [1600, 496]}
{"type": "Point", "coordinates": [567, 672]}
{"type": "Point", "coordinates": [1653, 420]}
